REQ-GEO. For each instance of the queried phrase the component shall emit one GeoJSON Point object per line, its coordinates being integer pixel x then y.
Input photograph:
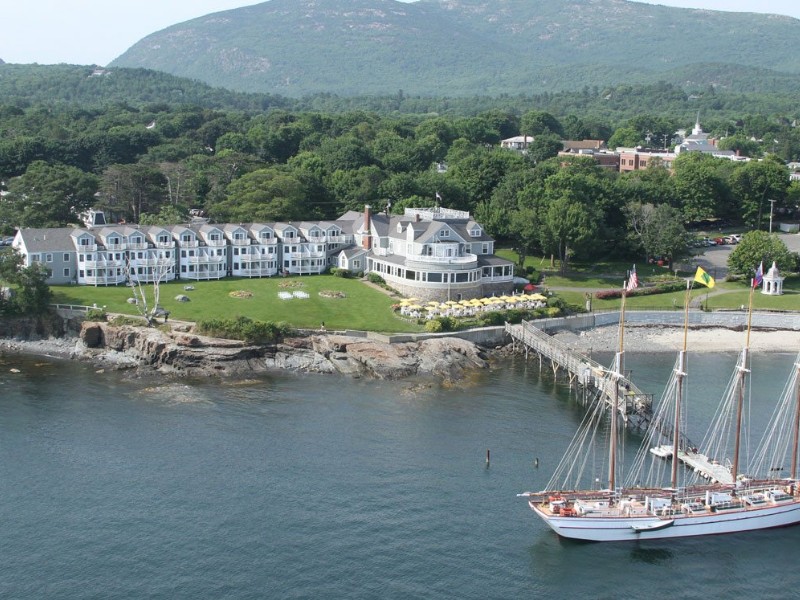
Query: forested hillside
{"type": "Point", "coordinates": [90, 87]}
{"type": "Point", "coordinates": [468, 47]}
{"type": "Point", "coordinates": [156, 162]}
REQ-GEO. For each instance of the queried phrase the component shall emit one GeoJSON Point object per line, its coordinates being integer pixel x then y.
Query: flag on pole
{"type": "Point", "coordinates": [702, 277]}
{"type": "Point", "coordinates": [759, 275]}
{"type": "Point", "coordinates": [438, 197]}
{"type": "Point", "coordinates": [633, 280]}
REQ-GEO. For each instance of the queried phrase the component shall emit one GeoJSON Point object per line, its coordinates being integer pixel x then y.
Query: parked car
{"type": "Point", "coordinates": [720, 241]}
{"type": "Point", "coordinates": [735, 238]}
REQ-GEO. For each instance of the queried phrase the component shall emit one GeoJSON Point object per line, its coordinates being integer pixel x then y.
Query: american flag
{"type": "Point", "coordinates": [633, 280]}
{"type": "Point", "coordinates": [759, 275]}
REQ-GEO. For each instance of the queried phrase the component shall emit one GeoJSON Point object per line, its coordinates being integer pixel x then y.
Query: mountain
{"type": "Point", "coordinates": [467, 47]}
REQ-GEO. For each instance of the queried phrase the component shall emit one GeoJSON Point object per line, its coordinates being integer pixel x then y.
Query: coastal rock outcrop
{"type": "Point", "coordinates": [181, 352]}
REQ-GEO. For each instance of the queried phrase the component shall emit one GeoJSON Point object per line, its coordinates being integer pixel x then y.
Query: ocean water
{"type": "Point", "coordinates": [113, 486]}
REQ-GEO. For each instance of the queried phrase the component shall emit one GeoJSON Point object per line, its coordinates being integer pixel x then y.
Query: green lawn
{"type": "Point", "coordinates": [363, 308]}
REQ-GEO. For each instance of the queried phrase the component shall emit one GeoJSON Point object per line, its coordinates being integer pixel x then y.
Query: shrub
{"type": "Point", "coordinates": [344, 273]}
{"type": "Point", "coordinates": [675, 286]}
{"type": "Point", "coordinates": [376, 279]}
{"type": "Point", "coordinates": [122, 320]}
{"type": "Point", "coordinates": [433, 326]}
{"type": "Point", "coordinates": [245, 329]}
{"type": "Point", "coordinates": [493, 318]}
{"type": "Point", "coordinates": [96, 314]}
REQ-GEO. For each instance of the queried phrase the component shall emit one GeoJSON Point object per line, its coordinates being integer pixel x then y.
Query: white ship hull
{"type": "Point", "coordinates": [648, 527]}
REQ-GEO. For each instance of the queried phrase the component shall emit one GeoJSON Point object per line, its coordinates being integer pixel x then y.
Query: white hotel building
{"type": "Point", "coordinates": [432, 254]}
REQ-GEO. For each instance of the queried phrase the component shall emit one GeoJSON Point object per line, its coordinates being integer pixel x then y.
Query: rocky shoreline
{"type": "Point", "coordinates": [182, 353]}
{"type": "Point", "coordinates": [187, 354]}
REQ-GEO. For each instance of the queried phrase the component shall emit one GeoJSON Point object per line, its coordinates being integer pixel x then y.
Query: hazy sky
{"type": "Point", "coordinates": [97, 31]}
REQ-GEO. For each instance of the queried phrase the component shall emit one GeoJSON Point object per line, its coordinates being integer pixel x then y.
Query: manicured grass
{"type": "Point", "coordinates": [790, 300]}
{"type": "Point", "coordinates": [363, 308]}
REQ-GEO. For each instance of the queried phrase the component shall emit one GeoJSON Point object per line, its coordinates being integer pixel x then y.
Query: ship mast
{"type": "Point", "coordinates": [680, 374]}
{"type": "Point", "coordinates": [743, 370]}
{"type": "Point", "coordinates": [796, 440]}
{"type": "Point", "coordinates": [612, 447]}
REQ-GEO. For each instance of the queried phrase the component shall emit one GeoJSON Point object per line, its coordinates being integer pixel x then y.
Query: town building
{"type": "Point", "coordinates": [636, 159]}
{"type": "Point", "coordinates": [519, 143]}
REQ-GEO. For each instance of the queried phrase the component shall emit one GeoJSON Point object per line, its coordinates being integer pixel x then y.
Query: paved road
{"type": "Point", "coordinates": [714, 260]}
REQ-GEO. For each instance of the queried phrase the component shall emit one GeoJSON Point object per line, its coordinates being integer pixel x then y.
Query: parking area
{"type": "Point", "coordinates": [714, 259]}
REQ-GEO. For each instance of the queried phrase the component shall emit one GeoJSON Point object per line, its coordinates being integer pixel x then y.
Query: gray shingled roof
{"type": "Point", "coordinates": [48, 240]}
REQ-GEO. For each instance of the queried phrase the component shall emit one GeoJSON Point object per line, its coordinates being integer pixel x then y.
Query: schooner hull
{"type": "Point", "coordinates": [618, 529]}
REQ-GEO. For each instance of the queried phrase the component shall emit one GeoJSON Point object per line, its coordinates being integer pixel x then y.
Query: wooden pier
{"type": "Point", "coordinates": [635, 407]}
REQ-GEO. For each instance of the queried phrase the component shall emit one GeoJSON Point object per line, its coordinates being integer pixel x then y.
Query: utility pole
{"type": "Point", "coordinates": [771, 206]}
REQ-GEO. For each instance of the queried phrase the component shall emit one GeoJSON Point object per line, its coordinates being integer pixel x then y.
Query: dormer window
{"type": "Point", "coordinates": [476, 232]}
{"type": "Point", "coordinates": [444, 233]}
{"type": "Point", "coordinates": [399, 228]}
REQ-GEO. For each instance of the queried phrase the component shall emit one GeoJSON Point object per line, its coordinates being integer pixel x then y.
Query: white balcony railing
{"type": "Point", "coordinates": [140, 246]}
{"type": "Point", "coordinates": [102, 264]}
{"type": "Point", "coordinates": [87, 248]}
{"type": "Point", "coordinates": [164, 245]}
{"type": "Point", "coordinates": [204, 260]}
{"type": "Point", "coordinates": [153, 262]}
{"type": "Point", "coordinates": [116, 246]}
{"type": "Point", "coordinates": [216, 243]}
{"type": "Point", "coordinates": [240, 242]}
{"type": "Point", "coordinates": [194, 244]}
{"type": "Point", "coordinates": [444, 260]}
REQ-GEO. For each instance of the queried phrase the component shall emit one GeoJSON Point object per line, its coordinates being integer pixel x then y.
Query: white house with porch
{"type": "Point", "coordinates": [430, 253]}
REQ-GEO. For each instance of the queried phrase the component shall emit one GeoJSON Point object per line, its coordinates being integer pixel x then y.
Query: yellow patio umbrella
{"type": "Point", "coordinates": [433, 302]}
{"type": "Point", "coordinates": [452, 303]}
{"type": "Point", "coordinates": [537, 297]}
{"type": "Point", "coordinates": [415, 307]}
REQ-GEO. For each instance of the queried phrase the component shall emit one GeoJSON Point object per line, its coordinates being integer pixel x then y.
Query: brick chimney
{"type": "Point", "coordinates": [366, 239]}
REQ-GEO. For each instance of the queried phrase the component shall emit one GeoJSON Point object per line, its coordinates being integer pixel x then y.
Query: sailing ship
{"type": "Point", "coordinates": [660, 499]}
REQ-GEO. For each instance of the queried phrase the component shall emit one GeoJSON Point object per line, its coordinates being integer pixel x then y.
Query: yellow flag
{"type": "Point", "coordinates": [704, 278]}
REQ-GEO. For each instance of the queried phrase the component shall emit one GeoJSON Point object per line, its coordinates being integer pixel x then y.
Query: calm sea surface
{"type": "Point", "coordinates": [323, 487]}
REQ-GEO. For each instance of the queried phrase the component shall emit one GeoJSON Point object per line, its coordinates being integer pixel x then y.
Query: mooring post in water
{"type": "Point", "coordinates": [487, 457]}
{"type": "Point", "coordinates": [536, 463]}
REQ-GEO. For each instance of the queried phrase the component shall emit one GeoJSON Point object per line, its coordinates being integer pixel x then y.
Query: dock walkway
{"type": "Point", "coordinates": [635, 406]}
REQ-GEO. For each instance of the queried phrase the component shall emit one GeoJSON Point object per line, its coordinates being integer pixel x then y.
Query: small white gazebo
{"type": "Point", "coordinates": [773, 282]}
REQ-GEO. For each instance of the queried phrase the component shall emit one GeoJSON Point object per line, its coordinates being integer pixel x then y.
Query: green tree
{"type": "Point", "coordinates": [32, 292]}
{"type": "Point", "coordinates": [741, 144]}
{"type": "Point", "coordinates": [544, 146]}
{"type": "Point", "coordinates": [47, 196]}
{"type": "Point", "coordinates": [537, 122]}
{"type": "Point", "coordinates": [699, 185]}
{"type": "Point", "coordinates": [168, 215]}
{"type": "Point", "coordinates": [755, 183]}
{"type": "Point", "coordinates": [658, 229]}
{"type": "Point", "coordinates": [759, 247]}
{"type": "Point", "coordinates": [625, 137]}
{"type": "Point", "coordinates": [130, 190]}
{"type": "Point", "coordinates": [264, 195]}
